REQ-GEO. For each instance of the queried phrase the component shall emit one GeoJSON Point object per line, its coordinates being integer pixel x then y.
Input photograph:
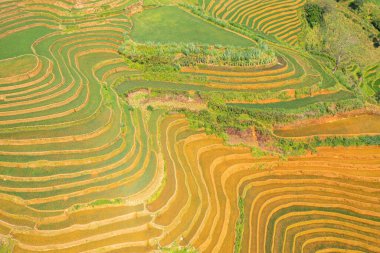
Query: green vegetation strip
{"type": "Point", "coordinates": [239, 228]}
{"type": "Point", "coordinates": [191, 54]}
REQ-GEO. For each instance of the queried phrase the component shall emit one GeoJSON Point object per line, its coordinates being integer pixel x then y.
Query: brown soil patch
{"type": "Point", "coordinates": [246, 137]}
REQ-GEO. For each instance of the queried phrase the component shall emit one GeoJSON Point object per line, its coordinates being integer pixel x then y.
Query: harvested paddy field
{"type": "Point", "coordinates": [103, 150]}
{"type": "Point", "coordinates": [351, 125]}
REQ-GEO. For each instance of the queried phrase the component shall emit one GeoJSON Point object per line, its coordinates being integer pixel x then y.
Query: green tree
{"type": "Point", "coordinates": [314, 14]}
{"type": "Point", "coordinates": [376, 24]}
{"type": "Point", "coordinates": [343, 40]}
{"type": "Point", "coordinates": [357, 5]}
{"type": "Point", "coordinates": [377, 96]}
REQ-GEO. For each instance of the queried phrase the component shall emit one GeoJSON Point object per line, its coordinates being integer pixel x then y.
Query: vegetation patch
{"type": "Point", "coordinates": [314, 14]}
{"type": "Point", "coordinates": [178, 55]}
{"type": "Point", "coordinates": [99, 202]}
{"type": "Point", "coordinates": [159, 190]}
{"type": "Point", "coordinates": [6, 245]}
{"type": "Point", "coordinates": [175, 248]}
{"type": "Point", "coordinates": [345, 35]}
{"type": "Point", "coordinates": [239, 227]}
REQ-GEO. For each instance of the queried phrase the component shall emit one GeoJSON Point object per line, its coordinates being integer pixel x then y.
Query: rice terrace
{"type": "Point", "coordinates": [190, 126]}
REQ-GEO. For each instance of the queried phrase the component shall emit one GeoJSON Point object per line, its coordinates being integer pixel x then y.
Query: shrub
{"type": "Point", "coordinates": [377, 96]}
{"type": "Point", "coordinates": [175, 55]}
{"type": "Point", "coordinates": [376, 24]}
{"type": "Point", "coordinates": [357, 5]}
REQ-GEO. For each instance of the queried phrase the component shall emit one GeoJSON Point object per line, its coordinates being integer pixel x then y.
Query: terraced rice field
{"type": "Point", "coordinates": [352, 125]}
{"type": "Point", "coordinates": [274, 17]}
{"type": "Point", "coordinates": [290, 72]}
{"type": "Point", "coordinates": [372, 79]}
{"type": "Point", "coordinates": [298, 103]}
{"type": "Point", "coordinates": [80, 171]}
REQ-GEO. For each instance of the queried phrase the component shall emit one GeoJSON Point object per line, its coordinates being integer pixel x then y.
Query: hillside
{"type": "Point", "coordinates": [189, 126]}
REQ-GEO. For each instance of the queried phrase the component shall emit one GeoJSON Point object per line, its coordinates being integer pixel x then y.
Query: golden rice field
{"type": "Point", "coordinates": [80, 171]}
{"type": "Point", "coordinates": [362, 124]}
{"type": "Point", "coordinates": [275, 17]}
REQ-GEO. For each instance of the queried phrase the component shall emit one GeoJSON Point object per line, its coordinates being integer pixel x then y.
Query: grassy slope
{"type": "Point", "coordinates": [347, 33]}
{"type": "Point", "coordinates": [171, 24]}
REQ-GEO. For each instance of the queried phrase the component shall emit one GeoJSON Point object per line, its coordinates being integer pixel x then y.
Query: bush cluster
{"type": "Point", "coordinates": [176, 55]}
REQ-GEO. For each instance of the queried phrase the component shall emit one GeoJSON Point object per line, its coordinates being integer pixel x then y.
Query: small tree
{"type": "Point", "coordinates": [341, 41]}
{"type": "Point", "coordinates": [357, 5]}
{"type": "Point", "coordinates": [314, 14]}
{"type": "Point", "coordinates": [376, 40]}
{"type": "Point", "coordinates": [376, 24]}
{"type": "Point", "coordinates": [377, 96]}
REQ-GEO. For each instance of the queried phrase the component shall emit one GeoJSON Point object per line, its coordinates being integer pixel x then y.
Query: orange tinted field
{"type": "Point", "coordinates": [82, 171]}
{"type": "Point", "coordinates": [287, 203]}
{"type": "Point", "coordinates": [354, 125]}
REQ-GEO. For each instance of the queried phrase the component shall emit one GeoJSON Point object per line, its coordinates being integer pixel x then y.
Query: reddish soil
{"type": "Point", "coordinates": [236, 137]}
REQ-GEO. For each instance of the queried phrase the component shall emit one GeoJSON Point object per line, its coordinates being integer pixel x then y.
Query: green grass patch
{"type": "Point", "coordinates": [239, 228]}
{"type": "Point", "coordinates": [158, 192]}
{"type": "Point", "coordinates": [99, 202]}
{"type": "Point", "coordinates": [6, 245]}
{"type": "Point", "coordinates": [178, 249]}
{"type": "Point", "coordinates": [171, 24]}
